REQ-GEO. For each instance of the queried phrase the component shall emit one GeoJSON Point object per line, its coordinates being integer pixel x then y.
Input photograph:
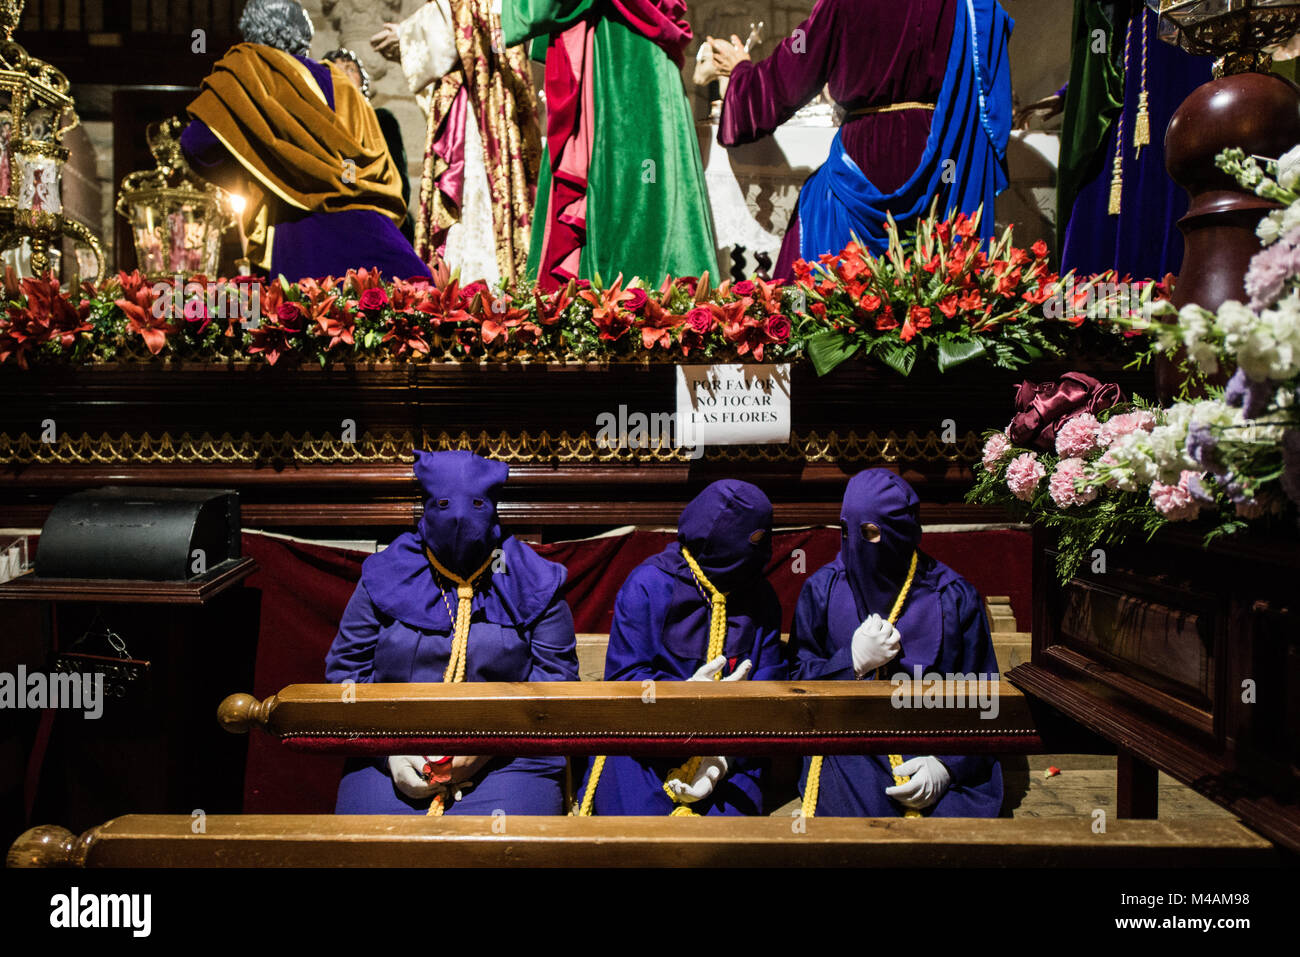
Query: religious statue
{"type": "Point", "coordinates": [622, 183]}
{"type": "Point", "coordinates": [926, 90]}
{"type": "Point", "coordinates": [483, 146]}
{"type": "Point", "coordinates": [300, 143]}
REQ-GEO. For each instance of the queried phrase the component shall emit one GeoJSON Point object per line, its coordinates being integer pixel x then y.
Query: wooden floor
{"type": "Point", "coordinates": [1086, 782]}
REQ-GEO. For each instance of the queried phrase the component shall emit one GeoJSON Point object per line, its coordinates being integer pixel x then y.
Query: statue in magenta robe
{"type": "Point", "coordinates": [941, 629]}
{"type": "Point", "coordinates": [927, 92]}
{"type": "Point", "coordinates": [400, 627]}
{"type": "Point", "coordinates": [661, 632]}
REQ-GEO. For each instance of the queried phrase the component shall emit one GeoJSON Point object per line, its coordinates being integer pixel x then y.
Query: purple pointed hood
{"type": "Point", "coordinates": [876, 570]}
{"type": "Point", "coordinates": [728, 529]}
{"type": "Point", "coordinates": [460, 524]}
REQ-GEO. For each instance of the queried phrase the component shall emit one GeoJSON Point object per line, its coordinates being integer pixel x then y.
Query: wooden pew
{"type": "Point", "coordinates": [257, 840]}
{"type": "Point", "coordinates": [635, 718]}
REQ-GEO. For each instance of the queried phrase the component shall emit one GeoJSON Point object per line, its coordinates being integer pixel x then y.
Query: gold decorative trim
{"type": "Point", "coordinates": [517, 448]}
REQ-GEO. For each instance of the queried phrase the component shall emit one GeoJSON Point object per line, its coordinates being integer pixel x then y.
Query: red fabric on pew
{"type": "Point", "coordinates": [305, 588]}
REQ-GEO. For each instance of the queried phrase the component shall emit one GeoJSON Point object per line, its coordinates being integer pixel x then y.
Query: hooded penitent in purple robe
{"type": "Point", "coordinates": [943, 630]}
{"type": "Point", "coordinates": [660, 631]}
{"type": "Point", "coordinates": [398, 628]}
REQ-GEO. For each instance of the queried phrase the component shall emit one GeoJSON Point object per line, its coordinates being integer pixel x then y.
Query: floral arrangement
{"type": "Point", "coordinates": [1098, 469]}
{"type": "Point", "coordinates": [948, 297]}
{"type": "Point", "coordinates": [937, 292]}
{"type": "Point", "coordinates": [1245, 435]}
{"type": "Point", "coordinates": [1226, 454]}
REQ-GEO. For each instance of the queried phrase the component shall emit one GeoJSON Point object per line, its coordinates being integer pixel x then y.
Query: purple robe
{"type": "Point", "coordinates": [872, 53]}
{"type": "Point", "coordinates": [660, 631]}
{"type": "Point", "coordinates": [398, 628]}
{"type": "Point", "coordinates": [943, 630]}
{"type": "Point", "coordinates": [312, 244]}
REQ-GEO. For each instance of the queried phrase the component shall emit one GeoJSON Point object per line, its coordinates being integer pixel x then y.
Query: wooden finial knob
{"type": "Point", "coordinates": [46, 846]}
{"type": "Point", "coordinates": [239, 712]}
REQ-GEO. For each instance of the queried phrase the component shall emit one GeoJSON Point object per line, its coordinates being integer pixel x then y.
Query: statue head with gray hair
{"type": "Point", "coordinates": [282, 24]}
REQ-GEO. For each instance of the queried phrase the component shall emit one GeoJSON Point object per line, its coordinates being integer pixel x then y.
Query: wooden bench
{"type": "Point", "coordinates": [257, 840]}
{"type": "Point", "coordinates": [636, 718]}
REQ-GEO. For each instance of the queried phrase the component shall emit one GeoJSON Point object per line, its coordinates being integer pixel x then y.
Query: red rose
{"type": "Point", "coordinates": [743, 288]}
{"type": "Point", "coordinates": [290, 317]}
{"type": "Point", "coordinates": [1039, 249]}
{"type": "Point", "coordinates": [919, 316]}
{"type": "Point", "coordinates": [886, 321]}
{"type": "Point", "coordinates": [699, 320]}
{"type": "Point", "coordinates": [373, 299]}
{"type": "Point", "coordinates": [636, 300]}
{"type": "Point", "coordinates": [778, 328]}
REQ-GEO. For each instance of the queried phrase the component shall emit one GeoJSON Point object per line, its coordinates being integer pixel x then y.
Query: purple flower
{"type": "Point", "coordinates": [1201, 446]}
{"type": "Point", "coordinates": [1196, 486]}
{"type": "Point", "coordinates": [1247, 394]}
{"type": "Point", "coordinates": [1266, 278]}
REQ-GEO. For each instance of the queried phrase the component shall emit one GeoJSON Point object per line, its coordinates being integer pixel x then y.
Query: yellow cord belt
{"type": "Point", "coordinates": [815, 764]}
{"type": "Point", "coordinates": [717, 638]}
{"type": "Point", "coordinates": [455, 672]}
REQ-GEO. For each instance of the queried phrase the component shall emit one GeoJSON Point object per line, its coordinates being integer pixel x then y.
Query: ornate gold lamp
{"type": "Point", "coordinates": [176, 218]}
{"type": "Point", "coordinates": [1244, 106]}
{"type": "Point", "coordinates": [35, 114]}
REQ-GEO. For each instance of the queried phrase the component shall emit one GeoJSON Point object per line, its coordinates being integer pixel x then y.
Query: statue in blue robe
{"type": "Point", "coordinates": [942, 628]}
{"type": "Point", "coordinates": [399, 627]}
{"type": "Point", "coordinates": [660, 631]}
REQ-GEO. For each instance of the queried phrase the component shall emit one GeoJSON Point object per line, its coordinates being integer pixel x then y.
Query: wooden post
{"type": "Point", "coordinates": [1136, 794]}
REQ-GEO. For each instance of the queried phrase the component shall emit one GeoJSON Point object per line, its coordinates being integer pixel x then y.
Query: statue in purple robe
{"type": "Point", "coordinates": [304, 149]}
{"type": "Point", "coordinates": [926, 89]}
{"type": "Point", "coordinates": [840, 625]}
{"type": "Point", "coordinates": [404, 623]}
{"type": "Point", "coordinates": [661, 631]}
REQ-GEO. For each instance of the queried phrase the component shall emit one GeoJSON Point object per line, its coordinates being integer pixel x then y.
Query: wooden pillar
{"type": "Point", "coordinates": [1136, 794]}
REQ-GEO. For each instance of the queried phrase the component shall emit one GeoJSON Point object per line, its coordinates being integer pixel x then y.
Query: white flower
{"type": "Point", "coordinates": [1270, 228]}
{"type": "Point", "coordinates": [1290, 218]}
{"type": "Point", "coordinates": [1288, 168]}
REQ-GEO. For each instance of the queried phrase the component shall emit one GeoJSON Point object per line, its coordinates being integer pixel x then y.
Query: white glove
{"type": "Point", "coordinates": [875, 642]}
{"type": "Point", "coordinates": [408, 774]}
{"type": "Point", "coordinates": [929, 781]}
{"type": "Point", "coordinates": [707, 776]}
{"type": "Point", "coordinates": [707, 670]}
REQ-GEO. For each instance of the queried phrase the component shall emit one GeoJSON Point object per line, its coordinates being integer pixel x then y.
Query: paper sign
{"type": "Point", "coordinates": [733, 404]}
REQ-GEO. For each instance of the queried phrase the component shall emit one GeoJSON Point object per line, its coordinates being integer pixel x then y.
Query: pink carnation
{"type": "Point", "coordinates": [1125, 424]}
{"type": "Point", "coordinates": [1023, 475]}
{"type": "Point", "coordinates": [1078, 436]}
{"type": "Point", "coordinates": [1175, 502]}
{"type": "Point", "coordinates": [995, 448]}
{"type": "Point", "coordinates": [1062, 485]}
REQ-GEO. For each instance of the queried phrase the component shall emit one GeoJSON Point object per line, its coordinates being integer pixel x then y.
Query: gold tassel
{"type": "Point", "coordinates": [1116, 192]}
{"type": "Point", "coordinates": [1142, 124]}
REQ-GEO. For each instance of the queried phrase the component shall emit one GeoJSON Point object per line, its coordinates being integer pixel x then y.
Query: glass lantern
{"type": "Point", "coordinates": [36, 112]}
{"type": "Point", "coordinates": [1238, 32]}
{"type": "Point", "coordinates": [176, 218]}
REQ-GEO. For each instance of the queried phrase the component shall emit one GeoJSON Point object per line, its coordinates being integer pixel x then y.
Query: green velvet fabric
{"type": "Point", "coordinates": [1092, 102]}
{"type": "Point", "coordinates": [647, 208]}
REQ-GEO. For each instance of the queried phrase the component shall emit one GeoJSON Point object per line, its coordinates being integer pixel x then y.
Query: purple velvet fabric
{"type": "Point", "coordinates": [314, 244]}
{"type": "Point", "coordinates": [871, 53]}
{"type": "Point", "coordinates": [460, 523]}
{"type": "Point", "coordinates": [660, 632]}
